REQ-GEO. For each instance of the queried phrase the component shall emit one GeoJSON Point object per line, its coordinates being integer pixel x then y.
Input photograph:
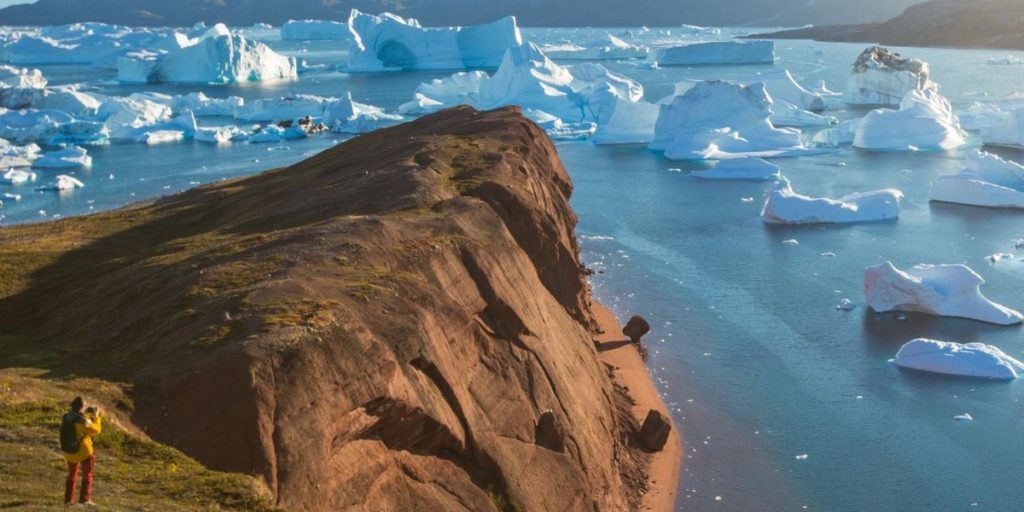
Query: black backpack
{"type": "Point", "coordinates": [69, 442]}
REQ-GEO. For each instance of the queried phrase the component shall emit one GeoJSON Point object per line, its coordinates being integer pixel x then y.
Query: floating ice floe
{"type": "Point", "coordinates": [626, 122]}
{"type": "Point", "coordinates": [1005, 130]}
{"type": "Point", "coordinates": [457, 89]}
{"type": "Point", "coordinates": [941, 290]}
{"type": "Point", "coordinates": [846, 305]}
{"type": "Point", "coordinates": [12, 155]}
{"type": "Point", "coordinates": [782, 86]}
{"type": "Point", "coordinates": [286, 107]}
{"type": "Point", "coordinates": [558, 129]}
{"type": "Point", "coordinates": [925, 120]}
{"type": "Point", "coordinates": [388, 41]}
{"type": "Point", "coordinates": [17, 177]}
{"type": "Point", "coordinates": [50, 127]}
{"type": "Point", "coordinates": [741, 169]}
{"type": "Point", "coordinates": [203, 106]}
{"type": "Point", "coordinates": [882, 77]}
{"type": "Point", "coordinates": [219, 134]}
{"type": "Point", "coordinates": [963, 417]}
{"type": "Point", "coordinates": [67, 158]}
{"type": "Point", "coordinates": [988, 180]}
{"type": "Point", "coordinates": [95, 44]}
{"type": "Point", "coordinates": [722, 120]}
{"type": "Point", "coordinates": [966, 360]}
{"type": "Point", "coordinates": [716, 52]}
{"type": "Point", "coordinates": [63, 182]}
{"type": "Point", "coordinates": [1009, 60]}
{"type": "Point", "coordinates": [19, 87]}
{"type": "Point", "coordinates": [608, 47]}
{"type": "Point", "coordinates": [841, 134]}
{"type": "Point", "coordinates": [784, 206]}
{"type": "Point", "coordinates": [309, 30]}
{"type": "Point", "coordinates": [70, 100]}
{"type": "Point", "coordinates": [217, 55]}
{"type": "Point", "coordinates": [347, 116]}
{"type": "Point", "coordinates": [981, 115]}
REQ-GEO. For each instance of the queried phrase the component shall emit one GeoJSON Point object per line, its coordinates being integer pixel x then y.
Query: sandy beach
{"type": "Point", "coordinates": [631, 372]}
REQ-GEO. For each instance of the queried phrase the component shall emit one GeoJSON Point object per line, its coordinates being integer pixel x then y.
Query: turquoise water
{"type": "Point", "coordinates": [748, 350]}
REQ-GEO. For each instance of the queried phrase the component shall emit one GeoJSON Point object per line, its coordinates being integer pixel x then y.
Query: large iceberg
{"type": "Point", "coordinates": [718, 120]}
{"type": "Point", "coordinates": [608, 47]}
{"type": "Point", "coordinates": [784, 206]}
{"type": "Point", "coordinates": [881, 77]}
{"type": "Point", "coordinates": [626, 122]}
{"type": "Point", "coordinates": [347, 116]}
{"type": "Point", "coordinates": [216, 55]}
{"type": "Point", "coordinates": [925, 120]}
{"type": "Point", "coordinates": [966, 360]}
{"type": "Point", "coordinates": [1006, 130]}
{"type": "Point", "coordinates": [715, 52]}
{"type": "Point", "coordinates": [306, 30]}
{"type": "Point", "coordinates": [986, 181]}
{"type": "Point", "coordinates": [942, 290]}
{"type": "Point", "coordinates": [391, 42]}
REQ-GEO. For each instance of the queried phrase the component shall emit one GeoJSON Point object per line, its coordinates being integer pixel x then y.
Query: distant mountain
{"type": "Point", "coordinates": [941, 23]}
{"type": "Point", "coordinates": [571, 13]}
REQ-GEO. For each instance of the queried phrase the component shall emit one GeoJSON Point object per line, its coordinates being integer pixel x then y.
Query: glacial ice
{"type": "Point", "coordinates": [70, 100]}
{"type": "Point", "coordinates": [558, 129]}
{"type": "Point", "coordinates": [782, 86]}
{"type": "Point", "coordinates": [68, 158]}
{"type": "Point", "coordinates": [50, 127]}
{"type": "Point", "coordinates": [1005, 130]}
{"type": "Point", "coordinates": [722, 120]}
{"type": "Point", "coordinates": [626, 122]}
{"type": "Point", "coordinates": [308, 30]}
{"type": "Point", "coordinates": [715, 53]}
{"type": "Point", "coordinates": [346, 116]}
{"type": "Point", "coordinates": [987, 180]}
{"type": "Point", "coordinates": [942, 290]}
{"type": "Point", "coordinates": [925, 120]}
{"type": "Point", "coordinates": [204, 106]}
{"type": "Point", "coordinates": [530, 79]}
{"type": "Point", "coordinates": [283, 108]}
{"type": "Point", "coordinates": [63, 182]}
{"type": "Point", "coordinates": [784, 206]}
{"type": "Point", "coordinates": [881, 77]}
{"type": "Point", "coordinates": [388, 42]}
{"type": "Point", "coordinates": [216, 55]}
{"type": "Point", "coordinates": [219, 134]}
{"type": "Point", "coordinates": [741, 169]}
{"type": "Point", "coordinates": [17, 176]}
{"type": "Point", "coordinates": [966, 360]}
{"type": "Point", "coordinates": [608, 47]}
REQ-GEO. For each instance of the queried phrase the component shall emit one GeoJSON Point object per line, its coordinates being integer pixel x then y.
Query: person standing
{"type": "Point", "coordinates": [76, 432]}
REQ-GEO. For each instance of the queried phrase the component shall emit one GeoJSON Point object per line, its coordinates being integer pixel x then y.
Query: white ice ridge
{"type": "Point", "coordinates": [715, 52]}
{"type": "Point", "coordinates": [784, 206]}
{"type": "Point", "coordinates": [67, 158]}
{"type": "Point", "coordinates": [347, 116]}
{"type": "Point", "coordinates": [741, 169]}
{"type": "Point", "coordinates": [716, 120]}
{"type": "Point", "coordinates": [925, 120]}
{"type": "Point", "coordinates": [1004, 129]}
{"type": "Point", "coordinates": [389, 41]}
{"type": "Point", "coordinates": [987, 180]}
{"type": "Point", "coordinates": [941, 290]}
{"type": "Point", "coordinates": [308, 30]}
{"type": "Point", "coordinates": [217, 55]}
{"type": "Point", "coordinates": [608, 47]}
{"type": "Point", "coordinates": [967, 360]}
{"type": "Point", "coordinates": [881, 77]}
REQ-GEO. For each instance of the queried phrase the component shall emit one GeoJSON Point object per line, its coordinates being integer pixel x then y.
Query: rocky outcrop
{"type": "Point", "coordinates": [398, 323]}
{"type": "Point", "coordinates": [655, 430]}
{"type": "Point", "coordinates": [938, 23]}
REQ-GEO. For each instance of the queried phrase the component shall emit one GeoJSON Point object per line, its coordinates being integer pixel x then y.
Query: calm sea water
{"type": "Point", "coordinates": [748, 350]}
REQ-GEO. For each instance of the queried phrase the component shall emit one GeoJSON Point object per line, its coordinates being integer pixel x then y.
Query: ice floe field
{"type": "Point", "coordinates": [765, 279]}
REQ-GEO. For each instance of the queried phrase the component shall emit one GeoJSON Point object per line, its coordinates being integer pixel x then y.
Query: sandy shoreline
{"type": "Point", "coordinates": [631, 372]}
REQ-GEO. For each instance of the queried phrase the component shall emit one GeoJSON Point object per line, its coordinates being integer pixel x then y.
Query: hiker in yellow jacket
{"type": "Point", "coordinates": [76, 433]}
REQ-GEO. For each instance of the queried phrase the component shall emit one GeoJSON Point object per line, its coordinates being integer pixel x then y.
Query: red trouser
{"type": "Point", "coordinates": [69, 486]}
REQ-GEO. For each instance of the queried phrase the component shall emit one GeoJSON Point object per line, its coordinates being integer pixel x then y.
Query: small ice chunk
{"type": "Point", "coordinates": [791, 241]}
{"type": "Point", "coordinates": [846, 305]}
{"type": "Point", "coordinates": [963, 417]}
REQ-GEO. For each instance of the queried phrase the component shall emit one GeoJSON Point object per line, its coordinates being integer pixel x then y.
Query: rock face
{"type": "Point", "coordinates": [655, 430]}
{"type": "Point", "coordinates": [392, 324]}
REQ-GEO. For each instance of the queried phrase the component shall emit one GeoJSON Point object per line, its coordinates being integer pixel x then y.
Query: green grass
{"type": "Point", "coordinates": [132, 472]}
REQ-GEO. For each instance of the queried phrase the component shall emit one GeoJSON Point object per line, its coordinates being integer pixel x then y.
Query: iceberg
{"type": "Point", "coordinates": [784, 206]}
{"type": "Point", "coordinates": [70, 100]}
{"type": "Point", "coordinates": [558, 129]}
{"type": "Point", "coordinates": [715, 53]}
{"type": "Point", "coordinates": [782, 86]}
{"type": "Point", "coordinates": [309, 30]}
{"type": "Point", "coordinates": [925, 120]}
{"type": "Point", "coordinates": [64, 182]}
{"type": "Point", "coordinates": [219, 134]}
{"type": "Point", "coordinates": [67, 158]}
{"type": "Point", "coordinates": [216, 56]}
{"type": "Point", "coordinates": [204, 106]}
{"type": "Point", "coordinates": [530, 79]}
{"type": "Point", "coordinates": [741, 169]}
{"type": "Point", "coordinates": [986, 181]}
{"type": "Point", "coordinates": [347, 116]}
{"type": "Point", "coordinates": [388, 41]}
{"type": "Point", "coordinates": [457, 89]}
{"type": "Point", "coordinates": [626, 122]}
{"type": "Point", "coordinates": [980, 116]}
{"type": "Point", "coordinates": [50, 127]}
{"type": "Point", "coordinates": [716, 120]}
{"type": "Point", "coordinates": [1005, 130]}
{"type": "Point", "coordinates": [286, 107]}
{"type": "Point", "coordinates": [787, 115]}
{"type": "Point", "coordinates": [607, 48]}
{"type": "Point", "coordinates": [941, 290]}
{"type": "Point", "coordinates": [20, 88]}
{"type": "Point", "coordinates": [17, 156]}
{"type": "Point", "coordinates": [966, 360]}
{"type": "Point", "coordinates": [840, 134]}
{"type": "Point", "coordinates": [133, 112]}
{"type": "Point", "coordinates": [420, 105]}
{"type": "Point", "coordinates": [881, 77]}
{"type": "Point", "coordinates": [18, 177]}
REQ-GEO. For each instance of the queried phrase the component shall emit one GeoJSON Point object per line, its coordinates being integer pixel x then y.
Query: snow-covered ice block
{"type": "Point", "coordinates": [626, 122]}
{"type": "Point", "coordinates": [988, 180]}
{"type": "Point", "coordinates": [63, 182]}
{"type": "Point", "coordinates": [715, 52]}
{"type": "Point", "coordinates": [530, 79]}
{"type": "Point", "coordinates": [70, 100]}
{"type": "Point", "coordinates": [391, 42]}
{"type": "Point", "coordinates": [67, 158]}
{"type": "Point", "coordinates": [1005, 130]}
{"type": "Point", "coordinates": [741, 169]}
{"type": "Point", "coordinates": [722, 120]}
{"type": "Point", "coordinates": [132, 112]}
{"type": "Point", "coordinates": [942, 290]}
{"type": "Point", "coordinates": [286, 107]}
{"type": "Point", "coordinates": [925, 120]}
{"type": "Point", "coordinates": [346, 116]}
{"type": "Point", "coordinates": [966, 360]}
{"type": "Point", "coordinates": [17, 177]}
{"type": "Point", "coordinates": [219, 134]}
{"type": "Point", "coordinates": [608, 47]}
{"type": "Point", "coordinates": [217, 56]}
{"type": "Point", "coordinates": [309, 30]}
{"type": "Point", "coordinates": [881, 77]}
{"type": "Point", "coordinates": [784, 206]}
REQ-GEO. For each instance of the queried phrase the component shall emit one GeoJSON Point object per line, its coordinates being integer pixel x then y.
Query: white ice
{"type": "Point", "coordinates": [966, 360]}
{"type": "Point", "coordinates": [68, 158]}
{"type": "Point", "coordinates": [347, 116]}
{"type": "Point", "coordinates": [784, 206]}
{"type": "Point", "coordinates": [881, 77]}
{"type": "Point", "coordinates": [987, 180]}
{"type": "Point", "coordinates": [925, 120]}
